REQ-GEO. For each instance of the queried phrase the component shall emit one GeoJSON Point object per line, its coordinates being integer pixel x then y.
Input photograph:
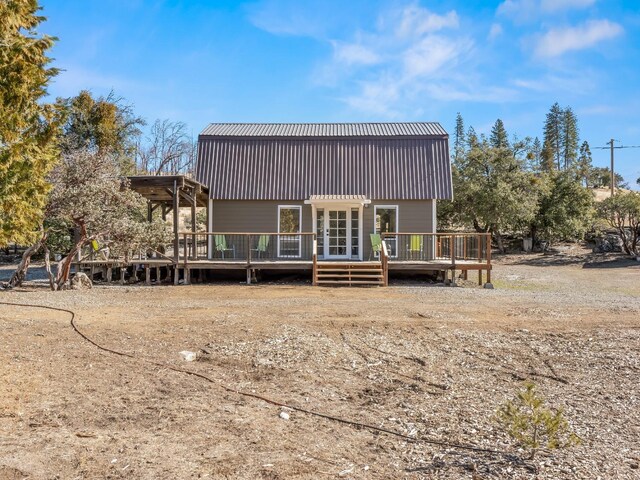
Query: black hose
{"type": "Point", "coordinates": [260, 397]}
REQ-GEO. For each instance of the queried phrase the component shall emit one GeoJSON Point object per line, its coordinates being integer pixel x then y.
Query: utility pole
{"type": "Point", "coordinates": [613, 175]}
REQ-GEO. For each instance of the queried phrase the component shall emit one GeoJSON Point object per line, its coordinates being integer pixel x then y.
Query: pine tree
{"type": "Point", "coordinates": [499, 137]}
{"type": "Point", "coordinates": [569, 138]}
{"type": "Point", "coordinates": [552, 144]}
{"type": "Point", "coordinates": [535, 155]}
{"type": "Point", "coordinates": [459, 142]}
{"type": "Point", "coordinates": [472, 138]}
{"type": "Point", "coordinates": [28, 127]}
{"type": "Point", "coordinates": [584, 163]}
{"type": "Point", "coordinates": [547, 156]}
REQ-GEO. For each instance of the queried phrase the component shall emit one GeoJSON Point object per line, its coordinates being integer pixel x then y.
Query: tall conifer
{"type": "Point", "coordinates": [27, 126]}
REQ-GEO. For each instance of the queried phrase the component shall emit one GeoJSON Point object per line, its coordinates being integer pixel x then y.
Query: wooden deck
{"type": "Point", "coordinates": [444, 253]}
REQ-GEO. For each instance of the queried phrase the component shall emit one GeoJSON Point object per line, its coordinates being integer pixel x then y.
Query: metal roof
{"type": "Point", "coordinates": [294, 168]}
{"type": "Point", "coordinates": [398, 129]}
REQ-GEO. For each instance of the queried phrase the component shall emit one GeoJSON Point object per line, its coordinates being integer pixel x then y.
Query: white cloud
{"type": "Point", "coordinates": [495, 31]}
{"type": "Point", "coordinates": [354, 54]}
{"type": "Point", "coordinates": [432, 54]}
{"type": "Point", "coordinates": [529, 10]}
{"type": "Point", "coordinates": [556, 5]}
{"type": "Point", "coordinates": [385, 67]}
{"type": "Point", "coordinates": [561, 40]}
{"type": "Point", "coordinates": [376, 97]}
{"type": "Point", "coordinates": [416, 21]}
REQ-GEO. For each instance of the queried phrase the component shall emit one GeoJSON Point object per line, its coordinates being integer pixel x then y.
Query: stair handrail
{"type": "Point", "coordinates": [384, 260]}
{"type": "Point", "coordinates": [315, 260]}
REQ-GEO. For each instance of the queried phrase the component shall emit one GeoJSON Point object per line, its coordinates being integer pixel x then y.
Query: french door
{"type": "Point", "coordinates": [337, 234]}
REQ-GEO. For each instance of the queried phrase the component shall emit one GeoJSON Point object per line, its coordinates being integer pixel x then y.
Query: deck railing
{"type": "Point", "coordinates": [247, 247]}
{"type": "Point", "coordinates": [446, 247]}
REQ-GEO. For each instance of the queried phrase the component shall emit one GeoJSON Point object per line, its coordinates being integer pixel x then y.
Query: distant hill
{"type": "Point", "coordinates": [604, 193]}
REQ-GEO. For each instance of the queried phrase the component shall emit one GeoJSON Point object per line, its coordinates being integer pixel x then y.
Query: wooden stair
{"type": "Point", "coordinates": [349, 274]}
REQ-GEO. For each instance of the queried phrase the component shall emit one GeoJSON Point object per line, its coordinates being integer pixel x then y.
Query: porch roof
{"type": "Point", "coordinates": [348, 199]}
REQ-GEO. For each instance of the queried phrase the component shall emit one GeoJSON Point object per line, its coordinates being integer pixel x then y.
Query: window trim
{"type": "Point", "coordinates": [291, 207]}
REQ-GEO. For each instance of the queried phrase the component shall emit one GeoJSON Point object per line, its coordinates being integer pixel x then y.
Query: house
{"type": "Point", "coordinates": [348, 201]}
{"type": "Point", "coordinates": [341, 181]}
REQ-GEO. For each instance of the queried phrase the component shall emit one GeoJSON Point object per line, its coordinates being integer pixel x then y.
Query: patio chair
{"type": "Point", "coordinates": [263, 244]}
{"type": "Point", "coordinates": [376, 244]}
{"type": "Point", "coordinates": [415, 245]}
{"type": "Point", "coordinates": [221, 245]}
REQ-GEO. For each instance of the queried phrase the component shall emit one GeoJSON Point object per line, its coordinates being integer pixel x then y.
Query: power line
{"type": "Point", "coordinates": [611, 146]}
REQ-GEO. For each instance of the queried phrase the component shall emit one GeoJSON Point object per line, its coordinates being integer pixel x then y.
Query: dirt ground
{"type": "Point", "coordinates": [424, 360]}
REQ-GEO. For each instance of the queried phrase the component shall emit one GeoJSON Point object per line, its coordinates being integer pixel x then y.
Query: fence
{"type": "Point", "coordinates": [432, 247]}
{"type": "Point", "coordinates": [248, 247]}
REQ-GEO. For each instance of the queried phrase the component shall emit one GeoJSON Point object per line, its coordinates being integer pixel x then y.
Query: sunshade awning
{"type": "Point", "coordinates": [344, 199]}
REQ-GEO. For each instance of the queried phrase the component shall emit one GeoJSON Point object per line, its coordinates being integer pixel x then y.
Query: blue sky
{"type": "Point", "coordinates": [361, 60]}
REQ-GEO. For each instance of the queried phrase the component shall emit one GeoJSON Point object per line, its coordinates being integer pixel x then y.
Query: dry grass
{"type": "Point", "coordinates": [424, 361]}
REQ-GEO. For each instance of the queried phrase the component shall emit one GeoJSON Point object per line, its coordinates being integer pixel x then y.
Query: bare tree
{"type": "Point", "coordinates": [167, 150]}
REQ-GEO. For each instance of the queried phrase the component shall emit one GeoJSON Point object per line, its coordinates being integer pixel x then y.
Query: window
{"type": "Point", "coordinates": [320, 231]}
{"type": "Point", "coordinates": [355, 232]}
{"type": "Point", "coordinates": [386, 221]}
{"type": "Point", "coordinates": [289, 222]}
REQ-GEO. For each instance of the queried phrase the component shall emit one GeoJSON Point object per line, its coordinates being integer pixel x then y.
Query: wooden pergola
{"type": "Point", "coordinates": [168, 193]}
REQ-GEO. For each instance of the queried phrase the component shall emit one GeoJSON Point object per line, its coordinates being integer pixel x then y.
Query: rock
{"type": "Point", "coordinates": [284, 415]}
{"type": "Point", "coordinates": [80, 281]}
{"type": "Point", "coordinates": [188, 356]}
{"type": "Point", "coordinates": [488, 286]}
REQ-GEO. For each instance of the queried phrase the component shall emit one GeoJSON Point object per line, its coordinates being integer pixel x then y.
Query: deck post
{"type": "Point", "coordinates": [209, 228]}
{"type": "Point", "coordinates": [122, 272]}
{"type": "Point", "coordinates": [452, 250]}
{"type": "Point", "coordinates": [176, 274]}
{"type": "Point", "coordinates": [157, 274]}
{"type": "Point", "coordinates": [248, 246]}
{"type": "Point", "coordinates": [194, 227]}
{"type": "Point", "coordinates": [109, 274]}
{"type": "Point", "coordinates": [147, 275]}
{"type": "Point", "coordinates": [489, 258]}
{"type": "Point", "coordinates": [176, 220]}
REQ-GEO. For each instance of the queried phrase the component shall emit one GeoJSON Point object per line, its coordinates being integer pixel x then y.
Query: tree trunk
{"type": "Point", "coordinates": [47, 266]}
{"type": "Point", "coordinates": [23, 267]}
{"type": "Point", "coordinates": [499, 242]}
{"type": "Point", "coordinates": [64, 265]}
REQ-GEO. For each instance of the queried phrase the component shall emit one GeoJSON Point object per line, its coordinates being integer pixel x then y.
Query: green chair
{"type": "Point", "coordinates": [376, 244]}
{"type": "Point", "coordinates": [415, 245]}
{"type": "Point", "coordinates": [221, 245]}
{"type": "Point", "coordinates": [263, 245]}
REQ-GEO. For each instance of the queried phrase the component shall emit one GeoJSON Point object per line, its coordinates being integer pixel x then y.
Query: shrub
{"type": "Point", "coordinates": [534, 426]}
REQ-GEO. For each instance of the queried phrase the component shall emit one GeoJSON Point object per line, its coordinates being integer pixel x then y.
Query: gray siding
{"type": "Point", "coordinates": [250, 216]}
{"type": "Point", "coordinates": [296, 168]}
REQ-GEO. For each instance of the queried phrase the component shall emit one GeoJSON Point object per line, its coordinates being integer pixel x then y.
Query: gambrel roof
{"type": "Point", "coordinates": [404, 161]}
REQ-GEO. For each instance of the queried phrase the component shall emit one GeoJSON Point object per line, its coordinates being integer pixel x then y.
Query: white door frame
{"type": "Point", "coordinates": [338, 206]}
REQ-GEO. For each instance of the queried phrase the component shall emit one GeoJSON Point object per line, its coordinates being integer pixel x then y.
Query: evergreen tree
{"type": "Point", "coordinates": [459, 142]}
{"type": "Point", "coordinates": [499, 137]}
{"type": "Point", "coordinates": [28, 127]}
{"type": "Point", "coordinates": [101, 125]}
{"type": "Point", "coordinates": [584, 163]}
{"type": "Point", "coordinates": [472, 138]}
{"type": "Point", "coordinates": [547, 162]}
{"type": "Point", "coordinates": [535, 155]}
{"type": "Point", "coordinates": [553, 131]}
{"type": "Point", "coordinates": [569, 138]}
